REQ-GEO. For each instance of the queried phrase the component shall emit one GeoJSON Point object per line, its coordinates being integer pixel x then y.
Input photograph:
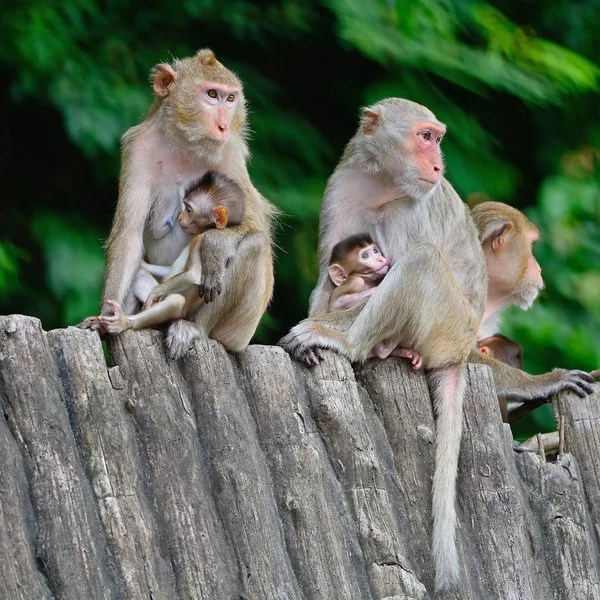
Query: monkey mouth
{"type": "Point", "coordinates": [429, 181]}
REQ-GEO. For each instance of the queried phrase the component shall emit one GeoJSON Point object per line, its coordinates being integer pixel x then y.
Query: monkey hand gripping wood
{"type": "Point", "coordinates": [390, 184]}
{"type": "Point", "coordinates": [196, 124]}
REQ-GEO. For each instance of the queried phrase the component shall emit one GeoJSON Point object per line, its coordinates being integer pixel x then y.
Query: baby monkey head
{"type": "Point", "coordinates": [357, 255]}
{"type": "Point", "coordinates": [213, 201]}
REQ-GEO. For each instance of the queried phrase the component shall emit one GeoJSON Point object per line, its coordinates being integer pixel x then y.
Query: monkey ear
{"type": "Point", "coordinates": [337, 274]}
{"type": "Point", "coordinates": [163, 77]}
{"type": "Point", "coordinates": [484, 350]}
{"type": "Point", "coordinates": [220, 214]}
{"type": "Point", "coordinates": [370, 121]}
{"type": "Point", "coordinates": [499, 236]}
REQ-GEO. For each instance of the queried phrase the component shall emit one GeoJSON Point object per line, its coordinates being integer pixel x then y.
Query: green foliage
{"type": "Point", "coordinates": [516, 85]}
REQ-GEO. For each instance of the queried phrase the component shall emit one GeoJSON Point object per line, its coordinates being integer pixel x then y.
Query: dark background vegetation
{"type": "Point", "coordinates": [516, 82]}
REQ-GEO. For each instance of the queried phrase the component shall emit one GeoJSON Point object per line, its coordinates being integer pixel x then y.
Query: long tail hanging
{"type": "Point", "coordinates": [447, 388]}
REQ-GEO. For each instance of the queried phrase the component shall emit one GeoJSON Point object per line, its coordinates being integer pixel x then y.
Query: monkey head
{"type": "Point", "coordinates": [503, 349]}
{"type": "Point", "coordinates": [411, 137]}
{"type": "Point", "coordinates": [357, 255]}
{"type": "Point", "coordinates": [202, 100]}
{"type": "Point", "coordinates": [507, 237]}
{"type": "Point", "coordinates": [213, 200]}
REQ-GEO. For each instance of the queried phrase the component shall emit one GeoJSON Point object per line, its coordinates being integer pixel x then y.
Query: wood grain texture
{"type": "Point", "coordinates": [253, 477]}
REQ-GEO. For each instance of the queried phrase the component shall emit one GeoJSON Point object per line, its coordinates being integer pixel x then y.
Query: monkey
{"type": "Point", "coordinates": [505, 350]}
{"type": "Point", "coordinates": [213, 201]}
{"type": "Point", "coordinates": [514, 275]}
{"type": "Point", "coordinates": [197, 123]}
{"type": "Point", "coordinates": [356, 266]}
{"type": "Point", "coordinates": [433, 297]}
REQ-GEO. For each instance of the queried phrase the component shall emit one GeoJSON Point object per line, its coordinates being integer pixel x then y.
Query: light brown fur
{"type": "Point", "coordinates": [389, 184]}
{"type": "Point", "coordinates": [178, 141]}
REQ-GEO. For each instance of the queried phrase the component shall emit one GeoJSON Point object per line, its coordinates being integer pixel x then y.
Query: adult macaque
{"type": "Point", "coordinates": [196, 124]}
{"type": "Point", "coordinates": [214, 201]}
{"type": "Point", "coordinates": [514, 276]}
{"type": "Point", "coordinates": [390, 183]}
{"type": "Point", "coordinates": [356, 267]}
{"type": "Point", "coordinates": [507, 351]}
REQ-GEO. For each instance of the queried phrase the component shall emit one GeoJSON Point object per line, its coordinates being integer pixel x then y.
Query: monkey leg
{"type": "Point", "coordinates": [172, 307]}
{"type": "Point", "coordinates": [420, 305]}
{"type": "Point", "coordinates": [143, 284]}
{"type": "Point", "coordinates": [232, 317]}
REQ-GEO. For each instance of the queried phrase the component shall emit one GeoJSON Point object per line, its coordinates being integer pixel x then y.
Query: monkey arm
{"type": "Point", "coordinates": [156, 270]}
{"type": "Point", "coordinates": [125, 246]}
{"type": "Point", "coordinates": [351, 294]}
{"type": "Point", "coordinates": [523, 386]}
{"type": "Point", "coordinates": [179, 283]}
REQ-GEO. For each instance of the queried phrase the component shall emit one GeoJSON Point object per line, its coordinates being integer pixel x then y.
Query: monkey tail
{"type": "Point", "coordinates": [447, 387]}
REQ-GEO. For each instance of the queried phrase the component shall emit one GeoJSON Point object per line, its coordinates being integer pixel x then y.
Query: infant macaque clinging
{"type": "Point", "coordinates": [212, 202]}
{"type": "Point", "coordinates": [356, 268]}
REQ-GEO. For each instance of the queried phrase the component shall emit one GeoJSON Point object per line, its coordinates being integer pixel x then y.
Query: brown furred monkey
{"type": "Point", "coordinates": [390, 183]}
{"type": "Point", "coordinates": [356, 266]}
{"type": "Point", "coordinates": [214, 201]}
{"type": "Point", "coordinates": [505, 350]}
{"type": "Point", "coordinates": [196, 124]}
{"type": "Point", "coordinates": [514, 276]}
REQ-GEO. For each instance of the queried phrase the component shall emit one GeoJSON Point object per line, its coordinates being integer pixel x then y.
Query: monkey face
{"type": "Point", "coordinates": [424, 142]}
{"type": "Point", "coordinates": [218, 103]}
{"type": "Point", "coordinates": [371, 262]}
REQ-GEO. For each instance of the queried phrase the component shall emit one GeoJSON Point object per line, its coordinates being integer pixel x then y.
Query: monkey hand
{"type": "Point", "coordinates": [151, 301]}
{"type": "Point", "coordinates": [578, 382]}
{"type": "Point", "coordinates": [116, 322]}
{"type": "Point", "coordinates": [307, 341]}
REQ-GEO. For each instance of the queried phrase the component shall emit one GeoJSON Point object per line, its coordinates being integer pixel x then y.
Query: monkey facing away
{"type": "Point", "coordinates": [356, 267]}
{"type": "Point", "coordinates": [432, 299]}
{"type": "Point", "coordinates": [196, 124]}
{"type": "Point", "coordinates": [214, 201]}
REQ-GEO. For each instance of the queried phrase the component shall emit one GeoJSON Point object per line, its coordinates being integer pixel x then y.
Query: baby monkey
{"type": "Point", "coordinates": [356, 268]}
{"type": "Point", "coordinates": [508, 351]}
{"type": "Point", "coordinates": [213, 201]}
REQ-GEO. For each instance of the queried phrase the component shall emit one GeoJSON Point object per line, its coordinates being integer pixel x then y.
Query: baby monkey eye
{"type": "Point", "coordinates": [365, 255]}
{"type": "Point", "coordinates": [212, 93]}
{"type": "Point", "coordinates": [231, 98]}
{"type": "Point", "coordinates": [375, 251]}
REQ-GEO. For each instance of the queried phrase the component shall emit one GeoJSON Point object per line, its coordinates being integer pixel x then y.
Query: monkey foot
{"type": "Point", "coordinates": [116, 322]}
{"type": "Point", "coordinates": [180, 338]}
{"type": "Point", "coordinates": [416, 360]}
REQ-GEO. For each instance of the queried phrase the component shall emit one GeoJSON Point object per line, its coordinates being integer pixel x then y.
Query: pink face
{"type": "Point", "coordinates": [425, 139]}
{"type": "Point", "coordinates": [218, 103]}
{"type": "Point", "coordinates": [373, 264]}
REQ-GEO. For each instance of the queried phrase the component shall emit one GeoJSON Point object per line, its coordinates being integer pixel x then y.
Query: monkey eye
{"type": "Point", "coordinates": [231, 98]}
{"type": "Point", "coordinates": [212, 93]}
{"type": "Point", "coordinates": [439, 139]}
{"type": "Point", "coordinates": [188, 210]}
{"type": "Point", "coordinates": [375, 251]}
{"type": "Point", "coordinates": [426, 136]}
{"type": "Point", "coordinates": [365, 255]}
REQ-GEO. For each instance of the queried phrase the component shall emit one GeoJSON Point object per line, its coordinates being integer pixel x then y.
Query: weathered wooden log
{"type": "Point", "coordinates": [252, 476]}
